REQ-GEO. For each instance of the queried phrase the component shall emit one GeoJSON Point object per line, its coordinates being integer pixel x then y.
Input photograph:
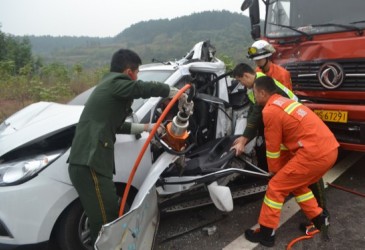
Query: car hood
{"type": "Point", "coordinates": [34, 121]}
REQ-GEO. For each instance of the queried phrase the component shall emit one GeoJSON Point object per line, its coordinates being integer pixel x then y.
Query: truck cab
{"type": "Point", "coordinates": [321, 43]}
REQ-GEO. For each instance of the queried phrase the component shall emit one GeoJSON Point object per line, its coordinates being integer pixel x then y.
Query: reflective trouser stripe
{"type": "Point", "coordinates": [304, 197]}
{"type": "Point", "coordinates": [272, 204]}
{"type": "Point", "coordinates": [98, 194]}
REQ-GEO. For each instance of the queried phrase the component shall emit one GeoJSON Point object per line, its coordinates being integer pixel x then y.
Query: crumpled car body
{"type": "Point", "coordinates": [39, 203]}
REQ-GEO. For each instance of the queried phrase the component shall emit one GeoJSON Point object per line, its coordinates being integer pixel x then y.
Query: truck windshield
{"type": "Point", "coordinates": [288, 18]}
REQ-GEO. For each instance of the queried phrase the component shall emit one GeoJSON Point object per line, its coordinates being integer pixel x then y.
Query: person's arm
{"type": "Point", "coordinates": [124, 87]}
{"type": "Point", "coordinates": [136, 128]}
{"type": "Point", "coordinates": [273, 138]}
{"type": "Point", "coordinates": [253, 119]}
{"type": "Point", "coordinates": [288, 81]}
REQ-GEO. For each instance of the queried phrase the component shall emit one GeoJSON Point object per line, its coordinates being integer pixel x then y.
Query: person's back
{"type": "Point", "coordinates": [301, 129]}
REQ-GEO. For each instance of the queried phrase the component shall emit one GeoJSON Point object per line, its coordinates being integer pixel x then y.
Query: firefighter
{"type": "Point", "coordinates": [314, 149]}
{"type": "Point", "coordinates": [246, 76]}
{"type": "Point", "coordinates": [260, 52]}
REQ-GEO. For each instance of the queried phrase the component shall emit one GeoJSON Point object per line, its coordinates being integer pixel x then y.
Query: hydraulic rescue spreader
{"type": "Point", "coordinates": [176, 131]}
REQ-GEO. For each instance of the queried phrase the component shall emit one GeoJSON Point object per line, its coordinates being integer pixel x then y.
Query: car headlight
{"type": "Point", "coordinates": [19, 171]}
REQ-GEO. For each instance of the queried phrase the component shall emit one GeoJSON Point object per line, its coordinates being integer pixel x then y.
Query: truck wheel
{"type": "Point", "coordinates": [73, 229]}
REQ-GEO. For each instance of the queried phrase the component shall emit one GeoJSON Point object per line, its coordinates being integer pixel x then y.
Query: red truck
{"type": "Point", "coordinates": [322, 44]}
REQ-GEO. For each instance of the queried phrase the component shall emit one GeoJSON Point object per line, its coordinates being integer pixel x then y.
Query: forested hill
{"type": "Point", "coordinates": [162, 39]}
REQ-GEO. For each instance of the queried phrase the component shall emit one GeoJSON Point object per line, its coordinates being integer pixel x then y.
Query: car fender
{"type": "Point", "coordinates": [136, 229]}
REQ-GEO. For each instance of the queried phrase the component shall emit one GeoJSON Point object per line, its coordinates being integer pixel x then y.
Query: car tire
{"type": "Point", "coordinates": [72, 231]}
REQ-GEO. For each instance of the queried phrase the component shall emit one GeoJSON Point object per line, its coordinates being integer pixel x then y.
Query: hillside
{"type": "Point", "coordinates": [162, 39]}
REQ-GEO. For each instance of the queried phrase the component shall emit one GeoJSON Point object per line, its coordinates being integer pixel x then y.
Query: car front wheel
{"type": "Point", "coordinates": [72, 231]}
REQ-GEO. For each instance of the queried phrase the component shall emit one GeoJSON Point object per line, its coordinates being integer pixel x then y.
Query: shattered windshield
{"type": "Point", "coordinates": [298, 17]}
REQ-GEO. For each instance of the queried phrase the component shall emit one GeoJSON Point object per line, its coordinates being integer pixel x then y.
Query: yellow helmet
{"type": "Point", "coordinates": [260, 49]}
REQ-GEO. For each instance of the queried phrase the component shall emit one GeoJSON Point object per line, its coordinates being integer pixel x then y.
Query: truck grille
{"type": "Point", "coordinates": [305, 75]}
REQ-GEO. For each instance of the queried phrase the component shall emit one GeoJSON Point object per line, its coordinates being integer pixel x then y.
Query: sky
{"type": "Point", "coordinates": [96, 18]}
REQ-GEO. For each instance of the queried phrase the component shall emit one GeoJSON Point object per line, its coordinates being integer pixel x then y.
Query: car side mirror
{"type": "Point", "coordinates": [255, 31]}
{"type": "Point", "coordinates": [221, 197]}
{"type": "Point", "coordinates": [254, 13]}
{"type": "Point", "coordinates": [246, 4]}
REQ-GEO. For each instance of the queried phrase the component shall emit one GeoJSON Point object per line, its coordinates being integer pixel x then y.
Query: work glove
{"type": "Point", "coordinates": [173, 92]}
{"type": "Point", "coordinates": [149, 126]}
{"type": "Point", "coordinates": [137, 128]}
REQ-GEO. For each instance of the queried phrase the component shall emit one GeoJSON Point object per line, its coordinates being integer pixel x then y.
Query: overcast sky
{"type": "Point", "coordinates": [100, 18]}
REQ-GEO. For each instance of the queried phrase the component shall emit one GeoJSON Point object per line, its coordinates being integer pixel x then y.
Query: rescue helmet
{"type": "Point", "coordinates": [260, 49]}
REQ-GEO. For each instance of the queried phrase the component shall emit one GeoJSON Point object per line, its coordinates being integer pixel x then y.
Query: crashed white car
{"type": "Point", "coordinates": [40, 206]}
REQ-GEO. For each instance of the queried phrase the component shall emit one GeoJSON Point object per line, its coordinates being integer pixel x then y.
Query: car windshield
{"type": "Point", "coordinates": [148, 76]}
{"type": "Point", "coordinates": [307, 17]}
{"type": "Point", "coordinates": [144, 75]}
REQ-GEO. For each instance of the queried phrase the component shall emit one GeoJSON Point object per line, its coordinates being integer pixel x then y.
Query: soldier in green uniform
{"type": "Point", "coordinates": [92, 153]}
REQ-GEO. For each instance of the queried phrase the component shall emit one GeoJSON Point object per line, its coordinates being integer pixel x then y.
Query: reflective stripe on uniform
{"type": "Point", "coordinates": [272, 155]}
{"type": "Point", "coordinates": [290, 108]}
{"type": "Point", "coordinates": [98, 195]}
{"type": "Point", "coordinates": [304, 197]}
{"type": "Point", "coordinates": [259, 74]}
{"type": "Point", "coordinates": [273, 204]}
{"type": "Point", "coordinates": [250, 93]}
{"type": "Point", "coordinates": [290, 94]}
{"type": "Point", "coordinates": [251, 96]}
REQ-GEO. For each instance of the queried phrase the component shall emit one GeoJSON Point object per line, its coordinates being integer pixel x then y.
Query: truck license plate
{"type": "Point", "coordinates": [332, 115]}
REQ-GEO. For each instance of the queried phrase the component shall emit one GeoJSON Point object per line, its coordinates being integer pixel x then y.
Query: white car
{"type": "Point", "coordinates": [39, 205]}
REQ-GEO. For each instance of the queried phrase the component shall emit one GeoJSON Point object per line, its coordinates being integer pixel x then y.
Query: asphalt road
{"type": "Point", "coordinates": [188, 230]}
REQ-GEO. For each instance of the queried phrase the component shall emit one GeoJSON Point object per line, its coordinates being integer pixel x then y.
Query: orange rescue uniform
{"type": "Point", "coordinates": [314, 151]}
{"type": "Point", "coordinates": [278, 73]}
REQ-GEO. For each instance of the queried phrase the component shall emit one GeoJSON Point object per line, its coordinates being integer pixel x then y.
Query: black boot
{"type": "Point", "coordinates": [321, 222]}
{"type": "Point", "coordinates": [319, 193]}
{"type": "Point", "coordinates": [263, 235]}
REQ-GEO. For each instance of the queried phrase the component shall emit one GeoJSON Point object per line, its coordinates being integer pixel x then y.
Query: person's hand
{"type": "Point", "coordinates": [173, 92]}
{"type": "Point", "coordinates": [239, 145]}
{"type": "Point", "coordinates": [160, 130]}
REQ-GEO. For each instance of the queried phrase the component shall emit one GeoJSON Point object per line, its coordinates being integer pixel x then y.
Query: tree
{"type": "Point", "coordinates": [18, 51]}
